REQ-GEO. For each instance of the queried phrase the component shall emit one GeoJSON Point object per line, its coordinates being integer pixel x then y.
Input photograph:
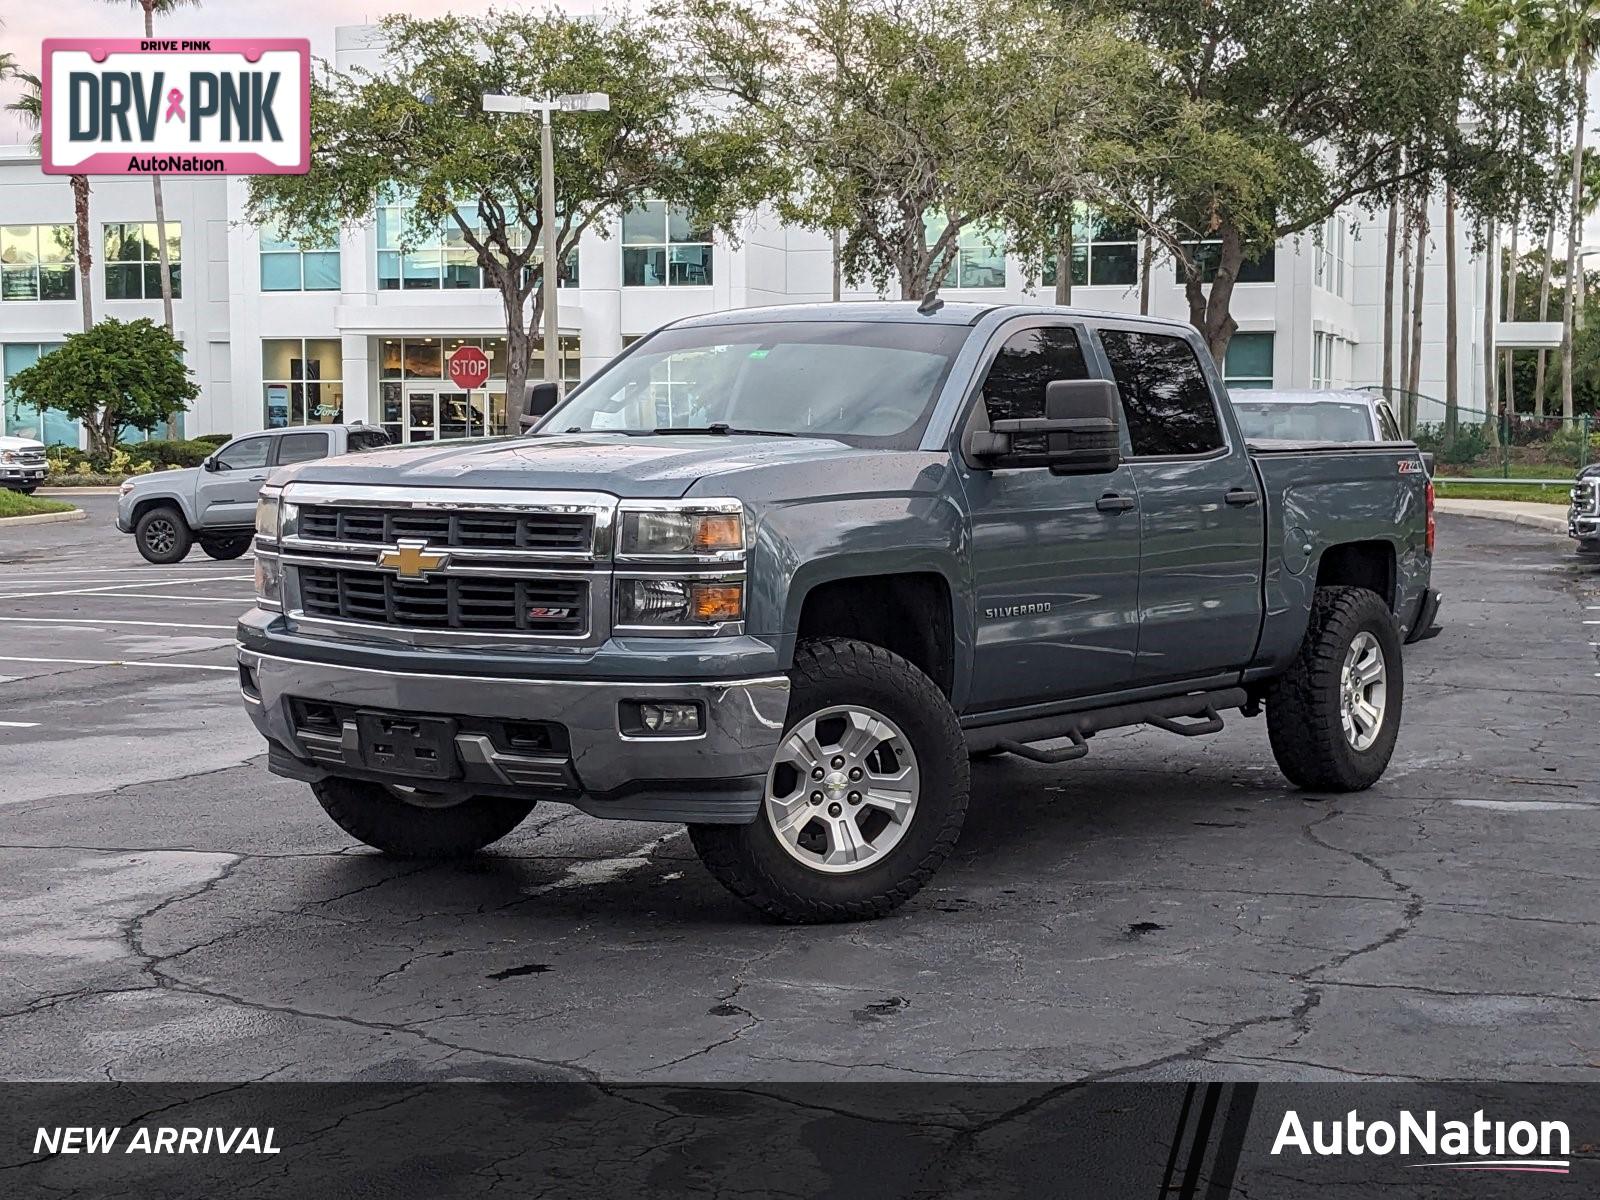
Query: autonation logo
{"type": "Point", "coordinates": [1476, 1145]}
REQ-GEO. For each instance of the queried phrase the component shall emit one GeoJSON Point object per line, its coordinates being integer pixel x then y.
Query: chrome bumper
{"type": "Point", "coordinates": [717, 775]}
{"type": "Point", "coordinates": [1583, 526]}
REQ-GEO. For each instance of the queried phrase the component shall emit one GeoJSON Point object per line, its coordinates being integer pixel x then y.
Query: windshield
{"type": "Point", "coordinates": [867, 383]}
{"type": "Point", "coordinates": [1317, 421]}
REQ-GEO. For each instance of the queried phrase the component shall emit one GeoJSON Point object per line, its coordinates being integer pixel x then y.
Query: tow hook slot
{"type": "Point", "coordinates": [1205, 722]}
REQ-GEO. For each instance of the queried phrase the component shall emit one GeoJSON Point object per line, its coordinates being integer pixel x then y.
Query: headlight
{"type": "Point", "coordinates": [708, 530]}
{"type": "Point", "coordinates": [267, 515]}
{"type": "Point", "coordinates": [125, 487]}
{"type": "Point", "coordinates": [9, 456]}
{"type": "Point", "coordinates": [679, 603]}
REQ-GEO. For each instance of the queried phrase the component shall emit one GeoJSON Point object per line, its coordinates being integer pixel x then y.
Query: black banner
{"type": "Point", "coordinates": [1157, 1141]}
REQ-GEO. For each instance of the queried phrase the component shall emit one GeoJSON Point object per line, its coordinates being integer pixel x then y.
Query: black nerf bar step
{"type": "Point", "coordinates": [1190, 716]}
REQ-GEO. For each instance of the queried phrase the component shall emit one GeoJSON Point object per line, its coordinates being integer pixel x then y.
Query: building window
{"type": "Point", "coordinates": [1330, 355]}
{"type": "Point", "coordinates": [285, 267]}
{"type": "Point", "coordinates": [36, 263]}
{"type": "Point", "coordinates": [1332, 254]}
{"type": "Point", "coordinates": [133, 260]}
{"type": "Point", "coordinates": [1105, 252]}
{"type": "Point", "coordinates": [443, 259]}
{"type": "Point", "coordinates": [1248, 363]}
{"type": "Point", "coordinates": [663, 246]}
{"type": "Point", "coordinates": [51, 427]}
{"type": "Point", "coordinates": [302, 381]}
{"type": "Point", "coordinates": [980, 259]}
{"type": "Point", "coordinates": [1208, 256]}
{"type": "Point", "coordinates": [418, 403]}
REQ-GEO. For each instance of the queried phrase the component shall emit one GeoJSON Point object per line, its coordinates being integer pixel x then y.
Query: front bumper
{"type": "Point", "coordinates": [12, 475]}
{"type": "Point", "coordinates": [717, 776]}
{"type": "Point", "coordinates": [1584, 526]}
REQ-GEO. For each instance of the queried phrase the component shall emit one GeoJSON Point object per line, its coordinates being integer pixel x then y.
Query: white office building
{"type": "Point", "coordinates": [362, 330]}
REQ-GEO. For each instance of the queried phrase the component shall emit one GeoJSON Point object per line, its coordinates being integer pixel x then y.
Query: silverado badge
{"type": "Point", "coordinates": [411, 559]}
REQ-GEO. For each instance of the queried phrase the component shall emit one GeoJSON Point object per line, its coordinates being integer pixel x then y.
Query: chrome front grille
{"type": "Point", "coordinates": [446, 565]}
{"type": "Point", "coordinates": [32, 458]}
{"type": "Point", "coordinates": [1586, 497]}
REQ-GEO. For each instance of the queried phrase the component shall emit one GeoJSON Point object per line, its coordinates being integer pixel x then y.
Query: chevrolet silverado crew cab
{"type": "Point", "coordinates": [215, 503]}
{"type": "Point", "coordinates": [779, 573]}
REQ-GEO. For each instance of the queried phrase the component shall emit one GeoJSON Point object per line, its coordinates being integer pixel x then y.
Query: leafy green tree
{"type": "Point", "coordinates": [417, 128]}
{"type": "Point", "coordinates": [117, 375]}
{"type": "Point", "coordinates": [29, 107]}
{"type": "Point", "coordinates": [898, 124]}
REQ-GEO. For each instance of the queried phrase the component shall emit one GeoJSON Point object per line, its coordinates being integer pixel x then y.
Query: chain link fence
{"type": "Point", "coordinates": [1504, 447]}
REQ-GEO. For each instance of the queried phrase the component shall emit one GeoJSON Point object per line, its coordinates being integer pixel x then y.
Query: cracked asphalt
{"type": "Point", "coordinates": [1165, 909]}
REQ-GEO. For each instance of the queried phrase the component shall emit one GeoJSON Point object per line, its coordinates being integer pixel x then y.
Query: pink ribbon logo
{"type": "Point", "coordinates": [175, 105]}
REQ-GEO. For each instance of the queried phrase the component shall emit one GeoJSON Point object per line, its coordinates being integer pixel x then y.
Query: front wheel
{"type": "Point", "coordinates": [865, 798]}
{"type": "Point", "coordinates": [413, 824]}
{"type": "Point", "coordinates": [1333, 717]}
{"type": "Point", "coordinates": [162, 536]}
{"type": "Point", "coordinates": [225, 548]}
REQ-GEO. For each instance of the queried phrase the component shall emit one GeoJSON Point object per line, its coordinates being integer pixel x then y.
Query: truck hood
{"type": "Point", "coordinates": [20, 443]}
{"type": "Point", "coordinates": [180, 480]}
{"type": "Point", "coordinates": [635, 467]}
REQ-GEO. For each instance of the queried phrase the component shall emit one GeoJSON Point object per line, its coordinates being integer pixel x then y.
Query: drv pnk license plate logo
{"type": "Point", "coordinates": [170, 106]}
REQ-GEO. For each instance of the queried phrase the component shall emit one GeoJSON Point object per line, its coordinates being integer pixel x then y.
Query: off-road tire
{"type": "Point", "coordinates": [148, 528]}
{"type": "Point", "coordinates": [225, 548]}
{"type": "Point", "coordinates": [371, 813]}
{"type": "Point", "coordinates": [1303, 703]}
{"type": "Point", "coordinates": [21, 491]}
{"type": "Point", "coordinates": [1589, 547]}
{"type": "Point", "coordinates": [750, 861]}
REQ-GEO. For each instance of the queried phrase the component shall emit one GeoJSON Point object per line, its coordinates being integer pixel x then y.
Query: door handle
{"type": "Point", "coordinates": [1240, 496]}
{"type": "Point", "coordinates": [1113, 503]}
{"type": "Point", "coordinates": [255, 479]}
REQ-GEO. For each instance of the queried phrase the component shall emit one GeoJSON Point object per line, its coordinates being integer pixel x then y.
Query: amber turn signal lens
{"type": "Point", "coordinates": [718, 602]}
{"type": "Point", "coordinates": [719, 531]}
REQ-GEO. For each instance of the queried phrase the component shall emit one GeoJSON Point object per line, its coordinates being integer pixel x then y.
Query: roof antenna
{"type": "Point", "coordinates": [931, 303]}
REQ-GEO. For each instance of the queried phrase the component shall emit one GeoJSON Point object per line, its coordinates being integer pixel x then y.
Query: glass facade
{"type": "Point", "coordinates": [418, 403]}
{"type": "Point", "coordinates": [1105, 252]}
{"type": "Point", "coordinates": [1248, 364]}
{"type": "Point", "coordinates": [285, 267]}
{"type": "Point", "coordinates": [36, 263]}
{"type": "Point", "coordinates": [50, 426]}
{"type": "Point", "coordinates": [1208, 255]}
{"type": "Point", "coordinates": [442, 260]}
{"type": "Point", "coordinates": [132, 260]}
{"type": "Point", "coordinates": [1331, 254]}
{"type": "Point", "coordinates": [980, 260]}
{"type": "Point", "coordinates": [662, 246]}
{"type": "Point", "coordinates": [302, 382]}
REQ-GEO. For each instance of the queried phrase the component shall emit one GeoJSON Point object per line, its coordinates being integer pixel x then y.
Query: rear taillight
{"type": "Point", "coordinates": [1432, 526]}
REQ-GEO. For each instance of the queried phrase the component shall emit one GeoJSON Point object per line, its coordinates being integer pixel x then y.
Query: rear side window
{"type": "Point", "coordinates": [367, 439]}
{"type": "Point", "coordinates": [1389, 426]}
{"type": "Point", "coordinates": [1165, 398]}
{"type": "Point", "coordinates": [1031, 358]}
{"type": "Point", "coordinates": [301, 447]}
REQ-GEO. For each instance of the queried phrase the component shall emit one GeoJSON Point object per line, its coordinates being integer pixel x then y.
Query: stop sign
{"type": "Point", "coordinates": [469, 368]}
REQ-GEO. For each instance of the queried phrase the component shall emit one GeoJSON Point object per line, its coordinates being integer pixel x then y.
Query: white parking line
{"type": "Point", "coordinates": [19, 724]}
{"type": "Point", "coordinates": [100, 621]}
{"type": "Point", "coordinates": [124, 587]}
{"type": "Point", "coordinates": [108, 580]}
{"type": "Point", "coordinates": [246, 600]}
{"type": "Point", "coordinates": [117, 662]}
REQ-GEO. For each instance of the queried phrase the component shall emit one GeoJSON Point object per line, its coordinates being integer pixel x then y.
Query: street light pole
{"type": "Point", "coordinates": [575, 102]}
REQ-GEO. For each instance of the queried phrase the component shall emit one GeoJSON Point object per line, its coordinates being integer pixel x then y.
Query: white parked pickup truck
{"type": "Point", "coordinates": [22, 464]}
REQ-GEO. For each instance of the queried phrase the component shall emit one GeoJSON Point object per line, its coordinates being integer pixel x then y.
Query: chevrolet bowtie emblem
{"type": "Point", "coordinates": [412, 560]}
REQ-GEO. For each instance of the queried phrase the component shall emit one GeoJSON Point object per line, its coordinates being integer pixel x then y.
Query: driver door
{"type": "Point", "coordinates": [226, 495]}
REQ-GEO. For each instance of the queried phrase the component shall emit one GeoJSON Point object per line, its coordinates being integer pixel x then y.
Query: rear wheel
{"type": "Point", "coordinates": [225, 548]}
{"type": "Point", "coordinates": [162, 535]}
{"type": "Point", "coordinates": [1333, 717]}
{"type": "Point", "coordinates": [414, 824]}
{"type": "Point", "coordinates": [866, 795]}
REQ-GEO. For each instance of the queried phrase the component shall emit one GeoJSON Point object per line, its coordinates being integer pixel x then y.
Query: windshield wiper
{"type": "Point", "coordinates": [721, 429]}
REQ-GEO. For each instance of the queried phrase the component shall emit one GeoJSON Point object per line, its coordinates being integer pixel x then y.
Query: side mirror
{"type": "Point", "coordinates": [210, 463]}
{"type": "Point", "coordinates": [1076, 436]}
{"type": "Point", "coordinates": [542, 397]}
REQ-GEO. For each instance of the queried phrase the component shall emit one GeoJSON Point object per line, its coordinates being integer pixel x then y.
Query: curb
{"type": "Point", "coordinates": [76, 514]}
{"type": "Point", "coordinates": [1556, 522]}
{"type": "Point", "coordinates": [76, 491]}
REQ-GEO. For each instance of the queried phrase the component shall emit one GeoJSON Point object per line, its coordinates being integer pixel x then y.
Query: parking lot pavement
{"type": "Point", "coordinates": [1165, 908]}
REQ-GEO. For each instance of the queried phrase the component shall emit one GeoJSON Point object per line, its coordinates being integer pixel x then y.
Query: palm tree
{"type": "Point", "coordinates": [29, 107]}
{"type": "Point", "coordinates": [151, 8]}
{"type": "Point", "coordinates": [1576, 39]}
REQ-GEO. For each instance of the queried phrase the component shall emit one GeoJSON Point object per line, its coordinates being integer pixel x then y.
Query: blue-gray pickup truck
{"type": "Point", "coordinates": [779, 573]}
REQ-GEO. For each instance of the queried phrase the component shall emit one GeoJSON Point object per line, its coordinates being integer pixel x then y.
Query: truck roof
{"type": "Point", "coordinates": [954, 312]}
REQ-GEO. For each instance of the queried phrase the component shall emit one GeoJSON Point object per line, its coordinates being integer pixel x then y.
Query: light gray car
{"type": "Point", "coordinates": [215, 503]}
{"type": "Point", "coordinates": [1350, 415]}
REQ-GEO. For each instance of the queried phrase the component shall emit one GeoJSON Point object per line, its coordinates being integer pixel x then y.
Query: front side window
{"type": "Point", "coordinates": [1165, 398]}
{"type": "Point", "coordinates": [301, 447]}
{"type": "Point", "coordinates": [302, 381]}
{"type": "Point", "coordinates": [36, 263]}
{"type": "Point", "coordinates": [133, 260]}
{"type": "Point", "coordinates": [244, 454]}
{"type": "Point", "coordinates": [866, 383]}
{"type": "Point", "coordinates": [1014, 387]}
{"type": "Point", "coordinates": [285, 267]}
{"type": "Point", "coordinates": [663, 246]}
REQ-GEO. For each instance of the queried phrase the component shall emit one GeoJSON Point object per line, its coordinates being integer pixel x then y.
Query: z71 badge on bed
{"type": "Point", "coordinates": [169, 106]}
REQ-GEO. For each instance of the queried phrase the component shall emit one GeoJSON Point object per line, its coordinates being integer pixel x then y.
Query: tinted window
{"type": "Point", "coordinates": [366, 439]}
{"type": "Point", "coordinates": [302, 447]}
{"type": "Point", "coordinates": [1030, 359]}
{"type": "Point", "coordinates": [1389, 426]}
{"type": "Point", "coordinates": [1165, 398]}
{"type": "Point", "coordinates": [243, 454]}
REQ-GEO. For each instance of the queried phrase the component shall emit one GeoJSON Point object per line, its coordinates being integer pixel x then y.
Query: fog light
{"type": "Point", "coordinates": [665, 718]}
